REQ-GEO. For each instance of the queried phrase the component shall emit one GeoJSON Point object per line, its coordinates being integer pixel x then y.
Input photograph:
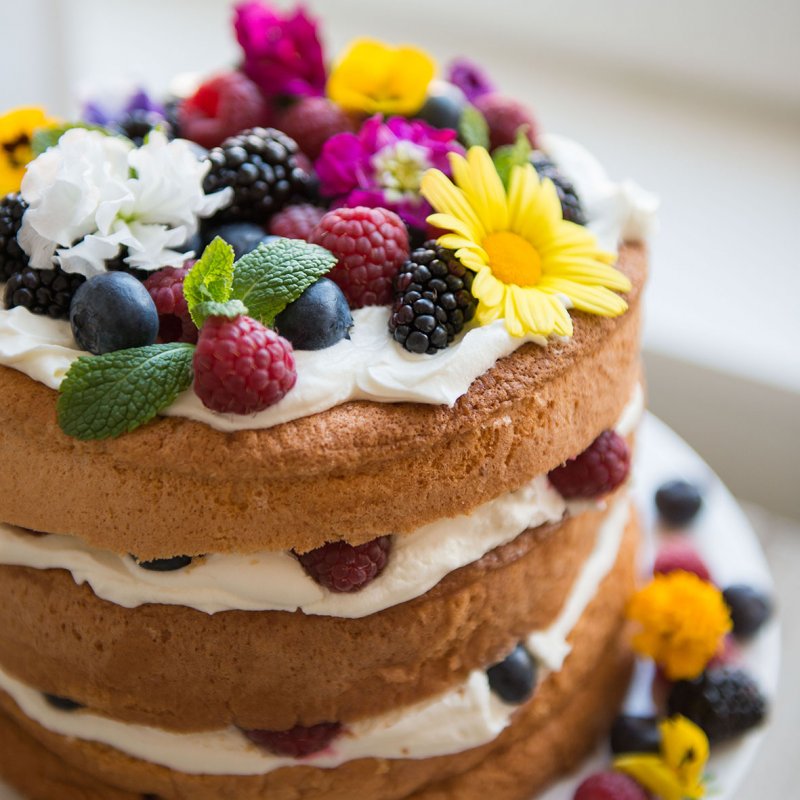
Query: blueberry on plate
{"type": "Point", "coordinates": [750, 608]}
{"type": "Point", "coordinates": [513, 679]}
{"type": "Point", "coordinates": [319, 318]}
{"type": "Point", "coordinates": [630, 734]}
{"type": "Point", "coordinates": [678, 502]}
{"type": "Point", "coordinates": [113, 311]}
{"type": "Point", "coordinates": [243, 237]}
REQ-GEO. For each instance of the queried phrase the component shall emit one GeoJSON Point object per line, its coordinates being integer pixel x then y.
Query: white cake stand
{"type": "Point", "coordinates": [730, 547]}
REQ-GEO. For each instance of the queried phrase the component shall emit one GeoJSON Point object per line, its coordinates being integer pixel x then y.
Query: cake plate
{"type": "Point", "coordinates": [729, 546]}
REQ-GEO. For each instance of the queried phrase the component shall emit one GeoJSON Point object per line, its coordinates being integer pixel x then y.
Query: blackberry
{"type": "Point", "coordinates": [261, 166]}
{"type": "Point", "coordinates": [433, 300]}
{"type": "Point", "coordinates": [139, 122]}
{"type": "Point", "coordinates": [571, 206]}
{"type": "Point", "coordinates": [43, 291]}
{"type": "Point", "coordinates": [724, 702]}
{"type": "Point", "coordinates": [12, 257]}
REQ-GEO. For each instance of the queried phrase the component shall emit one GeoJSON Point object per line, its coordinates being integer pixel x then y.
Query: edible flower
{"type": "Point", "coordinates": [282, 53]}
{"type": "Point", "coordinates": [683, 623]}
{"type": "Point", "coordinates": [470, 78]}
{"type": "Point", "coordinates": [531, 265]}
{"type": "Point", "coordinates": [16, 134]}
{"type": "Point", "coordinates": [676, 773]}
{"type": "Point", "coordinates": [374, 78]}
{"type": "Point", "coordinates": [383, 165]}
{"type": "Point", "coordinates": [108, 111]}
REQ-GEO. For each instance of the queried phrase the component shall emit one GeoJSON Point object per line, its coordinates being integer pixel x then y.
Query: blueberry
{"type": "Point", "coordinates": [750, 609]}
{"type": "Point", "coordinates": [444, 106]}
{"type": "Point", "coordinates": [635, 735]}
{"type": "Point", "coordinates": [113, 311]}
{"type": "Point", "coordinates": [678, 502]}
{"type": "Point", "coordinates": [164, 564]}
{"type": "Point", "coordinates": [243, 237]}
{"type": "Point", "coordinates": [62, 703]}
{"type": "Point", "coordinates": [514, 678]}
{"type": "Point", "coordinates": [319, 318]}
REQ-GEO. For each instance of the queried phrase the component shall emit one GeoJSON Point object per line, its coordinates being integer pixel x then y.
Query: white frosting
{"type": "Point", "coordinates": [369, 366]}
{"type": "Point", "coordinates": [465, 717]}
{"type": "Point", "coordinates": [277, 581]}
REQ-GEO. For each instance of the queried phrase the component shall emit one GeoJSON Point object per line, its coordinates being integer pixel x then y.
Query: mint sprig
{"type": "Point", "coordinates": [473, 130]}
{"type": "Point", "coordinates": [105, 396]}
{"type": "Point", "coordinates": [512, 155]}
{"type": "Point", "coordinates": [209, 280]}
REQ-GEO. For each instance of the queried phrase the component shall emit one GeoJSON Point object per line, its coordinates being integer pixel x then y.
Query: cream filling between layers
{"type": "Point", "coordinates": [461, 719]}
{"type": "Point", "coordinates": [276, 580]}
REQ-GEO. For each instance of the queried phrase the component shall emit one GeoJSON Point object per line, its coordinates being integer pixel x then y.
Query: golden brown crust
{"type": "Point", "coordinates": [354, 472]}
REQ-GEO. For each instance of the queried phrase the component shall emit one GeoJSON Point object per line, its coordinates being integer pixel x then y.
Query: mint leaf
{"type": "Point", "coordinates": [210, 279]}
{"type": "Point", "coordinates": [473, 130]}
{"type": "Point", "coordinates": [45, 138]}
{"type": "Point", "coordinates": [276, 274]}
{"type": "Point", "coordinates": [104, 396]}
{"type": "Point", "coordinates": [512, 155]}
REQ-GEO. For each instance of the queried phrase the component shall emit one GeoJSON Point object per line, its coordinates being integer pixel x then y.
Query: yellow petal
{"type": "Point", "coordinates": [513, 323]}
{"type": "Point", "coordinates": [588, 272]}
{"type": "Point", "coordinates": [535, 310]}
{"type": "Point", "coordinates": [448, 222]}
{"type": "Point", "coordinates": [591, 299]}
{"type": "Point", "coordinates": [684, 746]}
{"type": "Point", "coordinates": [521, 194]}
{"type": "Point", "coordinates": [487, 289]}
{"type": "Point", "coordinates": [444, 196]}
{"type": "Point", "coordinates": [652, 773]}
{"type": "Point", "coordinates": [453, 242]}
{"type": "Point", "coordinates": [489, 188]}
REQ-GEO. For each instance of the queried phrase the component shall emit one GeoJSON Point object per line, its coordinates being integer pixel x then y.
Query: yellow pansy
{"type": "Point", "coordinates": [530, 264]}
{"type": "Point", "coordinates": [677, 772]}
{"type": "Point", "coordinates": [374, 78]}
{"type": "Point", "coordinates": [16, 131]}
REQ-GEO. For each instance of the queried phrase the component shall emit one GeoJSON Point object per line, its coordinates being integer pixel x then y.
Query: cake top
{"type": "Point", "coordinates": [295, 234]}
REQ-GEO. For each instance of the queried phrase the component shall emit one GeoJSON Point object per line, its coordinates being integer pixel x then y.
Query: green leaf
{"type": "Point", "coordinates": [512, 155]}
{"type": "Point", "coordinates": [230, 309]}
{"type": "Point", "coordinates": [473, 130]}
{"type": "Point", "coordinates": [276, 274]}
{"type": "Point", "coordinates": [44, 138]}
{"type": "Point", "coordinates": [104, 396]}
{"type": "Point", "coordinates": [210, 279]}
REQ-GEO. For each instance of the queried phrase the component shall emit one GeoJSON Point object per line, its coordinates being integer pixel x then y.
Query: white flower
{"type": "Point", "coordinates": [92, 195]}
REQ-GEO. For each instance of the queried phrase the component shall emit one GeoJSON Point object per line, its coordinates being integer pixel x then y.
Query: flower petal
{"type": "Point", "coordinates": [448, 222]}
{"type": "Point", "coordinates": [487, 289]}
{"type": "Point", "coordinates": [444, 196]}
{"type": "Point", "coordinates": [591, 299]}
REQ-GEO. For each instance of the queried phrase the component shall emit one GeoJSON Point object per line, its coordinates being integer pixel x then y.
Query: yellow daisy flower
{"type": "Point", "coordinates": [374, 78]}
{"type": "Point", "coordinates": [531, 265]}
{"type": "Point", "coordinates": [16, 131]}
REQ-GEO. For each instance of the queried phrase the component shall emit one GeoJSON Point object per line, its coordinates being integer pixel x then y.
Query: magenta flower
{"type": "Point", "coordinates": [282, 54]}
{"type": "Point", "coordinates": [383, 164]}
{"type": "Point", "coordinates": [470, 78]}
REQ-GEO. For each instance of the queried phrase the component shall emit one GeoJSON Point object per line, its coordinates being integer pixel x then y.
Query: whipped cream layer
{"type": "Point", "coordinates": [370, 365]}
{"type": "Point", "coordinates": [468, 716]}
{"type": "Point", "coordinates": [276, 580]}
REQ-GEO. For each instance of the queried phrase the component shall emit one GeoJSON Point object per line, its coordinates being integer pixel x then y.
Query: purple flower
{"type": "Point", "coordinates": [470, 78]}
{"type": "Point", "coordinates": [383, 164]}
{"type": "Point", "coordinates": [107, 113]}
{"type": "Point", "coordinates": [282, 54]}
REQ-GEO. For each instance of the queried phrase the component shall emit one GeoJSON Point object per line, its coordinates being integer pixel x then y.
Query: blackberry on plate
{"type": "Point", "coordinates": [433, 300]}
{"type": "Point", "coordinates": [43, 291]}
{"type": "Point", "coordinates": [571, 206]}
{"type": "Point", "coordinates": [136, 124]}
{"type": "Point", "coordinates": [261, 167]}
{"type": "Point", "coordinates": [12, 257]}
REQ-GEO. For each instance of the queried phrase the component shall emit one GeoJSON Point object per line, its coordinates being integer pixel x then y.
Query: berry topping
{"type": "Point", "coordinates": [444, 106]}
{"type": "Point", "coordinates": [513, 679]}
{"type": "Point", "coordinates": [371, 245]}
{"type": "Point", "coordinates": [724, 702]}
{"type": "Point", "coordinates": [221, 107]}
{"type": "Point", "coordinates": [174, 321]}
{"type": "Point", "coordinates": [571, 208]}
{"type": "Point", "coordinates": [678, 554]}
{"type": "Point", "coordinates": [243, 237]}
{"type": "Point", "coordinates": [296, 222]}
{"type": "Point", "coordinates": [433, 300]}
{"type": "Point", "coordinates": [12, 257]}
{"type": "Point", "coordinates": [319, 318]}
{"type": "Point", "coordinates": [342, 567]}
{"type": "Point", "coordinates": [164, 564]}
{"type": "Point", "coordinates": [260, 166]}
{"type": "Point", "coordinates": [750, 608]}
{"type": "Point", "coordinates": [43, 291]}
{"type": "Point", "coordinates": [138, 122]}
{"type": "Point", "coordinates": [297, 742]}
{"type": "Point", "coordinates": [62, 703]}
{"type": "Point", "coordinates": [113, 311]}
{"type": "Point", "coordinates": [311, 121]}
{"type": "Point", "coordinates": [635, 735]}
{"type": "Point", "coordinates": [505, 117]}
{"type": "Point", "coordinates": [678, 502]}
{"type": "Point", "coordinates": [598, 470]}
{"type": "Point", "coordinates": [610, 786]}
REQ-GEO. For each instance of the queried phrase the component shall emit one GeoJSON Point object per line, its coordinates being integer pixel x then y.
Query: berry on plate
{"type": "Point", "coordinates": [343, 567]}
{"type": "Point", "coordinates": [311, 121]}
{"type": "Point", "coordinates": [514, 678]}
{"type": "Point", "coordinates": [630, 734]}
{"type": "Point", "coordinates": [444, 106]}
{"type": "Point", "coordinates": [243, 237]}
{"type": "Point", "coordinates": [319, 318]}
{"type": "Point", "coordinates": [43, 291]}
{"type": "Point", "coordinates": [678, 502]}
{"type": "Point", "coordinates": [296, 222]}
{"type": "Point", "coordinates": [610, 786]}
{"type": "Point", "coordinates": [298, 742]}
{"type": "Point", "coordinates": [680, 554]}
{"type": "Point", "coordinates": [174, 321]}
{"type": "Point", "coordinates": [750, 608]}
{"type": "Point", "coordinates": [12, 256]}
{"type": "Point", "coordinates": [598, 470]}
{"type": "Point", "coordinates": [505, 116]}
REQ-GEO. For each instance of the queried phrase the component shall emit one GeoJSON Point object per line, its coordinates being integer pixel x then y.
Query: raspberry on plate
{"type": "Point", "coordinates": [174, 321]}
{"type": "Point", "coordinates": [610, 786]}
{"type": "Point", "coordinates": [296, 222]}
{"type": "Point", "coordinates": [240, 366]}
{"type": "Point", "coordinates": [311, 121]}
{"type": "Point", "coordinates": [371, 245]}
{"type": "Point", "coordinates": [598, 470]}
{"type": "Point", "coordinates": [505, 116]}
{"type": "Point", "coordinates": [680, 554]}
{"type": "Point", "coordinates": [297, 742]}
{"type": "Point", "coordinates": [342, 567]}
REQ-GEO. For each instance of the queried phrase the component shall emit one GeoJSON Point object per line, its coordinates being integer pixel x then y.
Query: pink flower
{"type": "Point", "coordinates": [282, 54]}
{"type": "Point", "coordinates": [383, 164]}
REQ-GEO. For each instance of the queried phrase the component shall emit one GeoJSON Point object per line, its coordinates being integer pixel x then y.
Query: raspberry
{"type": "Point", "coordinates": [599, 469]}
{"type": "Point", "coordinates": [166, 288]}
{"type": "Point", "coordinates": [371, 245]}
{"type": "Point", "coordinates": [505, 117]}
{"type": "Point", "coordinates": [296, 222]}
{"type": "Point", "coordinates": [678, 554]}
{"type": "Point", "coordinates": [298, 741]}
{"type": "Point", "coordinates": [341, 567]}
{"type": "Point", "coordinates": [610, 786]}
{"type": "Point", "coordinates": [240, 366]}
{"type": "Point", "coordinates": [220, 108]}
{"type": "Point", "coordinates": [311, 121]}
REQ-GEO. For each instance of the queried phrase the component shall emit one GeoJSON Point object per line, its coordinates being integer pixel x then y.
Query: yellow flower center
{"type": "Point", "coordinates": [513, 259]}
